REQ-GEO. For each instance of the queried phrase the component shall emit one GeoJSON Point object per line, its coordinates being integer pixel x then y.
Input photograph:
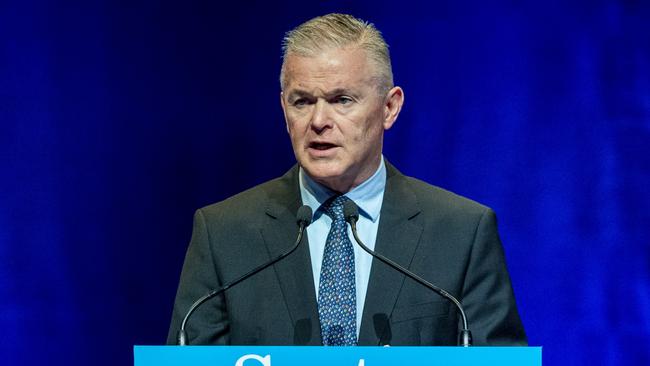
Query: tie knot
{"type": "Point", "coordinates": [333, 207]}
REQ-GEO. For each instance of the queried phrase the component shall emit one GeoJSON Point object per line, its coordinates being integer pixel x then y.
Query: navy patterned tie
{"type": "Point", "coordinates": [337, 300]}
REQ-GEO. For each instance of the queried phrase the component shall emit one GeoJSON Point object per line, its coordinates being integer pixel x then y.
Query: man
{"type": "Point", "coordinates": [338, 99]}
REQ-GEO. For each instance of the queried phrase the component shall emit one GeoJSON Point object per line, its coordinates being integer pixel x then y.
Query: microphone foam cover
{"type": "Point", "coordinates": [304, 215]}
{"type": "Point", "coordinates": [350, 211]}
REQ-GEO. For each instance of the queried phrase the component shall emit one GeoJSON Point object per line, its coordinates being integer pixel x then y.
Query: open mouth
{"type": "Point", "coordinates": [321, 145]}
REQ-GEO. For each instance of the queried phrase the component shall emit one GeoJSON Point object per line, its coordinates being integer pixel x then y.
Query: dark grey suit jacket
{"type": "Point", "coordinates": [447, 239]}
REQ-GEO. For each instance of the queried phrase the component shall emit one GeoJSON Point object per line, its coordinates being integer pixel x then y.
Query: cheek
{"type": "Point", "coordinates": [297, 122]}
{"type": "Point", "coordinates": [296, 132]}
{"type": "Point", "coordinates": [367, 124]}
{"type": "Point", "coordinates": [368, 131]}
{"type": "Point", "coordinates": [291, 125]}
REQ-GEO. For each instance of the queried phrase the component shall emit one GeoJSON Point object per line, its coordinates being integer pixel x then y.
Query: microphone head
{"type": "Point", "coordinates": [350, 211]}
{"type": "Point", "coordinates": [303, 217]}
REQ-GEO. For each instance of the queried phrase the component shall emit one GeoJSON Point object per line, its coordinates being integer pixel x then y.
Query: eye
{"type": "Point", "coordinates": [343, 99]}
{"type": "Point", "coordinates": [299, 102]}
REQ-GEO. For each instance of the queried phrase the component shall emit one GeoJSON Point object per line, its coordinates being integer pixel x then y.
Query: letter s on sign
{"type": "Point", "coordinates": [265, 361]}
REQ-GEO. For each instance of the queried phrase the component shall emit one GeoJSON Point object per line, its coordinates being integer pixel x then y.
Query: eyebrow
{"type": "Point", "coordinates": [332, 93]}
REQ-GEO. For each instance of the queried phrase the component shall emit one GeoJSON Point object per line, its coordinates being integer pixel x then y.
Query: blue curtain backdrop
{"type": "Point", "coordinates": [119, 119]}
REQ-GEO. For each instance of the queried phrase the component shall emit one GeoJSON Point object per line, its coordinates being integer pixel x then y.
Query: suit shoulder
{"type": "Point", "coordinates": [244, 204]}
{"type": "Point", "coordinates": [430, 196]}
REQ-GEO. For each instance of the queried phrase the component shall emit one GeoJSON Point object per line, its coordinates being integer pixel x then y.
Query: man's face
{"type": "Point", "coordinates": [335, 115]}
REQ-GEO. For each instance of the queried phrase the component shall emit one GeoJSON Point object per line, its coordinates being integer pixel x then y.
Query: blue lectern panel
{"type": "Point", "coordinates": [339, 356]}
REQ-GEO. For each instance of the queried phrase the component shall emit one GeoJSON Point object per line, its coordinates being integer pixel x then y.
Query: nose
{"type": "Point", "coordinates": [320, 119]}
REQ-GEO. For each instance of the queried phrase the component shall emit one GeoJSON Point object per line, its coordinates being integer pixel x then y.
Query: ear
{"type": "Point", "coordinates": [392, 106]}
{"type": "Point", "coordinates": [284, 110]}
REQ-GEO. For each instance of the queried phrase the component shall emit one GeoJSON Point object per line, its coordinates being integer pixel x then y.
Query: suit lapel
{"type": "Point", "coordinates": [294, 272]}
{"type": "Point", "coordinates": [397, 239]}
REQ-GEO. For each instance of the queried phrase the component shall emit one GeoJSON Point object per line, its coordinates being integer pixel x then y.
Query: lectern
{"type": "Point", "coordinates": [335, 356]}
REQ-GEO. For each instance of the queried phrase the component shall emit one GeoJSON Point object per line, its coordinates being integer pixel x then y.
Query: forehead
{"type": "Point", "coordinates": [329, 69]}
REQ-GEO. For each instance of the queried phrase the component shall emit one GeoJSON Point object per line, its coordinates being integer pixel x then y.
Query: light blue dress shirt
{"type": "Point", "coordinates": [368, 196]}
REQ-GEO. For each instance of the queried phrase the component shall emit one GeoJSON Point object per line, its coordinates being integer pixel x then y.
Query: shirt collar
{"type": "Point", "coordinates": [368, 195]}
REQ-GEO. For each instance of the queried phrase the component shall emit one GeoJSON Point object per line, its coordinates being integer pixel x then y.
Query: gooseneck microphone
{"type": "Point", "coordinates": [303, 218]}
{"type": "Point", "coordinates": [351, 212]}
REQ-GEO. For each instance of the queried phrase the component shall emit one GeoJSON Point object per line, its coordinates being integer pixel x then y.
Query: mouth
{"type": "Point", "coordinates": [321, 146]}
{"type": "Point", "coordinates": [322, 150]}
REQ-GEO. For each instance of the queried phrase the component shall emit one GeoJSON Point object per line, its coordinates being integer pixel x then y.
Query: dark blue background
{"type": "Point", "coordinates": [119, 119]}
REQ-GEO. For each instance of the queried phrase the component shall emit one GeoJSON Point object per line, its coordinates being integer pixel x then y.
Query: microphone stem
{"type": "Point", "coordinates": [182, 335]}
{"type": "Point", "coordinates": [465, 337]}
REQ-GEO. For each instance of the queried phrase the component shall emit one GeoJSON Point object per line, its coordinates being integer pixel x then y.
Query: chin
{"type": "Point", "coordinates": [323, 172]}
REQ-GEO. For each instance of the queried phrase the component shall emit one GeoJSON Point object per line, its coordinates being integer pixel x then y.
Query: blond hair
{"type": "Point", "coordinates": [339, 31]}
